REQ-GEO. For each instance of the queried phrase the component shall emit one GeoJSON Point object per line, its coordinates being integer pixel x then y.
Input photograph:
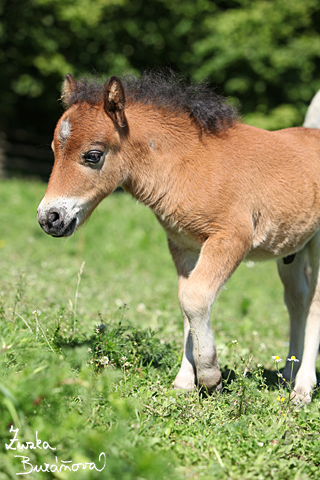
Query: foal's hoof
{"type": "Point", "coordinates": [188, 386]}
{"type": "Point", "coordinates": [304, 386]}
{"type": "Point", "coordinates": [184, 381]}
{"type": "Point", "coordinates": [210, 380]}
{"type": "Point", "coordinates": [299, 398]}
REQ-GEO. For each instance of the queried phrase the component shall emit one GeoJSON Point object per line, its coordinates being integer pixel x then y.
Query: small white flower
{"type": "Point", "coordinates": [276, 358]}
{"type": "Point", "coordinates": [104, 360]}
{"type": "Point", "coordinates": [293, 359]}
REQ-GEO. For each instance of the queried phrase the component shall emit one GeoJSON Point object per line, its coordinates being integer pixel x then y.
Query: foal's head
{"type": "Point", "coordinates": [88, 164]}
{"type": "Point", "coordinates": [95, 151]}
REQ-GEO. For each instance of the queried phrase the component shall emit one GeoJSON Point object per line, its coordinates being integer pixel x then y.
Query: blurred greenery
{"type": "Point", "coordinates": [264, 53]}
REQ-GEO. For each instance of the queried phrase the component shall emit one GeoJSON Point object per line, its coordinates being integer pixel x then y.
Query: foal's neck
{"type": "Point", "coordinates": [159, 153]}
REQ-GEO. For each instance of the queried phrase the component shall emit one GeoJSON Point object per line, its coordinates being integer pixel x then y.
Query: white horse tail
{"type": "Point", "coordinates": [312, 119]}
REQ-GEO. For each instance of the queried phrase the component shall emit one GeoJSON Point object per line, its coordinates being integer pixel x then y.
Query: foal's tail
{"type": "Point", "coordinates": [312, 119]}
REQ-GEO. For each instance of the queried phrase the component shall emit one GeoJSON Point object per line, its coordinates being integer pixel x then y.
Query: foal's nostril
{"type": "Point", "coordinates": [58, 221]}
{"type": "Point", "coordinates": [53, 217]}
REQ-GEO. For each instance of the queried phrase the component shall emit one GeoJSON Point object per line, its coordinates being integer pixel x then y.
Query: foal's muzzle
{"type": "Point", "coordinates": [57, 222]}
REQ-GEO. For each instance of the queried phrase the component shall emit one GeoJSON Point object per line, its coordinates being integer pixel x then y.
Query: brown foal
{"type": "Point", "coordinates": [223, 191]}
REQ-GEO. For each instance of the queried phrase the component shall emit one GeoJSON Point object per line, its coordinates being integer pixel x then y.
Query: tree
{"type": "Point", "coordinates": [264, 53]}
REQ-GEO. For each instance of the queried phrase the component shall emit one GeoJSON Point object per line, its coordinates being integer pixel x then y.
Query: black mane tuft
{"type": "Point", "coordinates": [210, 112]}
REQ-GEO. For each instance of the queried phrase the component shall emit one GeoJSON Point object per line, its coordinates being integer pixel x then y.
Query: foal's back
{"type": "Point", "coordinates": [271, 178]}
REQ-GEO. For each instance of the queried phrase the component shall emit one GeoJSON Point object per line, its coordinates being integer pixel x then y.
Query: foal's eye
{"type": "Point", "coordinates": [94, 156]}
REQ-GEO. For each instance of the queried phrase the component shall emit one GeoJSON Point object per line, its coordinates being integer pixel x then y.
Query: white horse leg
{"type": "Point", "coordinates": [306, 377]}
{"type": "Point", "coordinates": [301, 293]}
{"type": "Point", "coordinates": [296, 284]}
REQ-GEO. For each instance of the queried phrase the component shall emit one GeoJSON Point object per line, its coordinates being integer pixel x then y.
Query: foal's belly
{"type": "Point", "coordinates": [276, 241]}
{"type": "Point", "coordinates": [270, 240]}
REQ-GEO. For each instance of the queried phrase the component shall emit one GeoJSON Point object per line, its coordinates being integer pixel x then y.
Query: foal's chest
{"type": "Point", "coordinates": [181, 238]}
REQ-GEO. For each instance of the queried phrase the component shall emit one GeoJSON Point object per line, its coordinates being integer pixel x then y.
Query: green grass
{"type": "Point", "coordinates": [88, 353]}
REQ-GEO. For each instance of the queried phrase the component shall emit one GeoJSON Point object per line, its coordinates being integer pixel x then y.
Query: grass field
{"type": "Point", "coordinates": [91, 340]}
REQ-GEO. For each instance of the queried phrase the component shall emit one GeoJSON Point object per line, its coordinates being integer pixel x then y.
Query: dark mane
{"type": "Point", "coordinates": [211, 112]}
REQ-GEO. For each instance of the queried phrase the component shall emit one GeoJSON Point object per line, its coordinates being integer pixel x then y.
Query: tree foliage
{"type": "Point", "coordinates": [264, 53]}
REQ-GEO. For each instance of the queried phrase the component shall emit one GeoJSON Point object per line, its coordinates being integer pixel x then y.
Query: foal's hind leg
{"type": "Point", "coordinates": [302, 297]}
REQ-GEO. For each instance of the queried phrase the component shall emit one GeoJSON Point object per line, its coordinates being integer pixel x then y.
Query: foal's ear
{"type": "Point", "coordinates": [69, 87]}
{"type": "Point", "coordinates": [114, 101]}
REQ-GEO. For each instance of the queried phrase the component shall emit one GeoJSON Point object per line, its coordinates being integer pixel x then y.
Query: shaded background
{"type": "Point", "coordinates": [263, 53]}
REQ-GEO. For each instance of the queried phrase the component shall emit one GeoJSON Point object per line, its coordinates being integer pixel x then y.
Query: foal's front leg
{"type": "Point", "coordinates": [185, 261]}
{"type": "Point", "coordinates": [219, 257]}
